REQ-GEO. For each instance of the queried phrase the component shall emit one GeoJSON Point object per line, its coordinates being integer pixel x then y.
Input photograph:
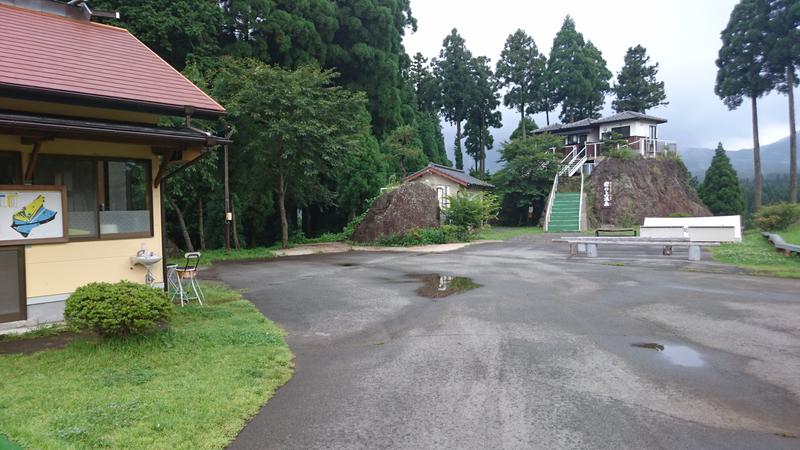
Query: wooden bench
{"type": "Point", "coordinates": [782, 246]}
{"type": "Point", "coordinates": [589, 244]}
{"type": "Point", "coordinates": [599, 231]}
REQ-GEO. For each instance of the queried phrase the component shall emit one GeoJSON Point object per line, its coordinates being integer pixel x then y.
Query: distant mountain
{"type": "Point", "coordinates": [774, 159]}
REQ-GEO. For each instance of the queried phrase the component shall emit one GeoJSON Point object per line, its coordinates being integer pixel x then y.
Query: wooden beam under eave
{"type": "Point", "coordinates": [37, 147]}
{"type": "Point", "coordinates": [162, 168]}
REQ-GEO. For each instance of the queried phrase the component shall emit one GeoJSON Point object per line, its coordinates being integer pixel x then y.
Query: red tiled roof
{"type": "Point", "coordinates": [56, 54]}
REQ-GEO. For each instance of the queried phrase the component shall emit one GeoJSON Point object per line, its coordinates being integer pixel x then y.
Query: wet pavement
{"type": "Point", "coordinates": [528, 349]}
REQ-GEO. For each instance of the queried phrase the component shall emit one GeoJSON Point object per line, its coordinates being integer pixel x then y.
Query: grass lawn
{"type": "Point", "coordinates": [192, 386]}
{"type": "Point", "coordinates": [505, 233]}
{"type": "Point", "coordinates": [791, 234]}
{"type": "Point", "coordinates": [218, 254]}
{"type": "Point", "coordinates": [755, 253]}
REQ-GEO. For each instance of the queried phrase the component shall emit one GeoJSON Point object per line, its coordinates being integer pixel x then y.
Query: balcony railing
{"type": "Point", "coordinates": [646, 147]}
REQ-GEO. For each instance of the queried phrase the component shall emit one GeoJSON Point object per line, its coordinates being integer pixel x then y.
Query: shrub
{"type": "Point", "coordinates": [623, 153]}
{"type": "Point", "coordinates": [350, 228]}
{"type": "Point", "coordinates": [777, 217]}
{"type": "Point", "coordinates": [117, 309]}
{"type": "Point", "coordinates": [472, 211]}
{"type": "Point", "coordinates": [445, 234]}
{"type": "Point", "coordinates": [679, 214]}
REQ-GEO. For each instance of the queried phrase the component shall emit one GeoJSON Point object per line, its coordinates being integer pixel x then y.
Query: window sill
{"type": "Point", "coordinates": [113, 237]}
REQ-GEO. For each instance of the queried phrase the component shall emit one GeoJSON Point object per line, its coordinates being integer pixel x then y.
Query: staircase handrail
{"type": "Point", "coordinates": [570, 155]}
{"type": "Point", "coordinates": [550, 203]}
{"type": "Point", "coordinates": [580, 205]}
{"type": "Point", "coordinates": [576, 163]}
{"type": "Point", "coordinates": [575, 156]}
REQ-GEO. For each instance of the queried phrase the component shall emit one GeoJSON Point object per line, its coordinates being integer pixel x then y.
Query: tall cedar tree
{"type": "Point", "coordinates": [403, 152]}
{"type": "Point", "coordinates": [287, 33]}
{"type": "Point", "coordinates": [428, 97]}
{"type": "Point", "coordinates": [176, 30]}
{"type": "Point", "coordinates": [720, 190]}
{"type": "Point", "coordinates": [454, 74]}
{"type": "Point", "coordinates": [482, 113]}
{"type": "Point", "coordinates": [360, 39]}
{"type": "Point", "coordinates": [741, 68]}
{"type": "Point", "coordinates": [368, 52]}
{"type": "Point", "coordinates": [425, 84]}
{"type": "Point", "coordinates": [529, 125]}
{"type": "Point", "coordinates": [521, 70]}
{"type": "Point", "coordinates": [782, 59]}
{"type": "Point", "coordinates": [578, 75]}
{"type": "Point", "coordinates": [301, 140]}
{"type": "Point", "coordinates": [637, 88]}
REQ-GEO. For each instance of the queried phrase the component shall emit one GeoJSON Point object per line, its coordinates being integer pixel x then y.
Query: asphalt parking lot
{"type": "Point", "coordinates": [532, 349]}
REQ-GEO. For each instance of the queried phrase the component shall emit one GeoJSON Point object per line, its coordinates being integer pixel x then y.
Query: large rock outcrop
{"type": "Point", "coordinates": [412, 205]}
{"type": "Point", "coordinates": [642, 188]}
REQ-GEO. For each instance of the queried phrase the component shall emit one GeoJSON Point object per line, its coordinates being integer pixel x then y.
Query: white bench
{"type": "Point", "coordinates": [587, 244]}
{"type": "Point", "coordinates": [700, 233]}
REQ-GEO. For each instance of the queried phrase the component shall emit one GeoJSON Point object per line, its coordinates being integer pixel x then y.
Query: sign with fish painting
{"type": "Point", "coordinates": [33, 214]}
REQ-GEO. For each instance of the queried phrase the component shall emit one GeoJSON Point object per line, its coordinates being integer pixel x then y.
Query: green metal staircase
{"type": "Point", "coordinates": [566, 212]}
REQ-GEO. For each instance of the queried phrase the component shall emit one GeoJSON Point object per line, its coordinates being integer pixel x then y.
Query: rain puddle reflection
{"type": "Point", "coordinates": [440, 286]}
{"type": "Point", "coordinates": [679, 355]}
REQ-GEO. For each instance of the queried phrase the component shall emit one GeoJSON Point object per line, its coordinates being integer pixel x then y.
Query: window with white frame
{"type": "Point", "coordinates": [442, 193]}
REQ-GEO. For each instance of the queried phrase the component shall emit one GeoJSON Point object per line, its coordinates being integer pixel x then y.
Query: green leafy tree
{"type": "Point", "coordinates": [403, 153]}
{"type": "Point", "coordinates": [741, 68]}
{"type": "Point", "coordinates": [482, 113]}
{"type": "Point", "coordinates": [187, 195]}
{"type": "Point", "coordinates": [637, 88]}
{"type": "Point", "coordinates": [521, 70]}
{"type": "Point", "coordinates": [578, 75]}
{"type": "Point", "coordinates": [529, 125]}
{"type": "Point", "coordinates": [176, 30]}
{"type": "Point", "coordinates": [360, 39]}
{"type": "Point", "coordinates": [720, 190]}
{"type": "Point", "coordinates": [360, 176]}
{"type": "Point", "coordinates": [453, 69]}
{"type": "Point", "coordinates": [783, 57]}
{"type": "Point", "coordinates": [526, 178]}
{"type": "Point", "coordinates": [302, 140]}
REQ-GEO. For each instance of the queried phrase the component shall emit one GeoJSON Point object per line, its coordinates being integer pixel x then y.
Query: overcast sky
{"type": "Point", "coordinates": [681, 35]}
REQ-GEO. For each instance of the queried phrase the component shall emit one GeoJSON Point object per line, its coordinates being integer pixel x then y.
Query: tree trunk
{"type": "Point", "coordinates": [227, 202]}
{"type": "Point", "coordinates": [187, 241]}
{"type": "Point", "coordinates": [201, 224]}
{"type": "Point", "coordinates": [282, 206]}
{"type": "Point", "coordinates": [792, 138]}
{"type": "Point", "coordinates": [523, 122]}
{"type": "Point", "coordinates": [756, 156]}
{"type": "Point", "coordinates": [547, 115]}
{"type": "Point", "coordinates": [458, 145]}
{"type": "Point", "coordinates": [235, 228]}
{"type": "Point", "coordinates": [480, 150]}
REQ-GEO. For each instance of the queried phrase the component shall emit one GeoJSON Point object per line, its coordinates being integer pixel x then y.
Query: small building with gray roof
{"type": "Point", "coordinates": [448, 182]}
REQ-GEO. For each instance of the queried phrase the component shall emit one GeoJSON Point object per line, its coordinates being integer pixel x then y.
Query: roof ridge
{"type": "Point", "coordinates": [59, 17]}
{"type": "Point", "coordinates": [165, 63]}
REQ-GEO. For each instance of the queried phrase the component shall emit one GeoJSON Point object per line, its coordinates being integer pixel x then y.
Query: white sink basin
{"type": "Point", "coordinates": [146, 260]}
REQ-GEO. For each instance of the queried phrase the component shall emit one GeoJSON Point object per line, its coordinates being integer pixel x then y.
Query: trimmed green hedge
{"type": "Point", "coordinates": [117, 309]}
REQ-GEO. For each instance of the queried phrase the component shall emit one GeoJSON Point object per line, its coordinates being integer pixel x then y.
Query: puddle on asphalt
{"type": "Point", "coordinates": [440, 286]}
{"type": "Point", "coordinates": [347, 265]}
{"type": "Point", "coordinates": [679, 355]}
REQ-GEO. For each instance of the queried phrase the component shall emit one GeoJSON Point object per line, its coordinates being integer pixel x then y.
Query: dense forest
{"type": "Point", "coordinates": [326, 107]}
